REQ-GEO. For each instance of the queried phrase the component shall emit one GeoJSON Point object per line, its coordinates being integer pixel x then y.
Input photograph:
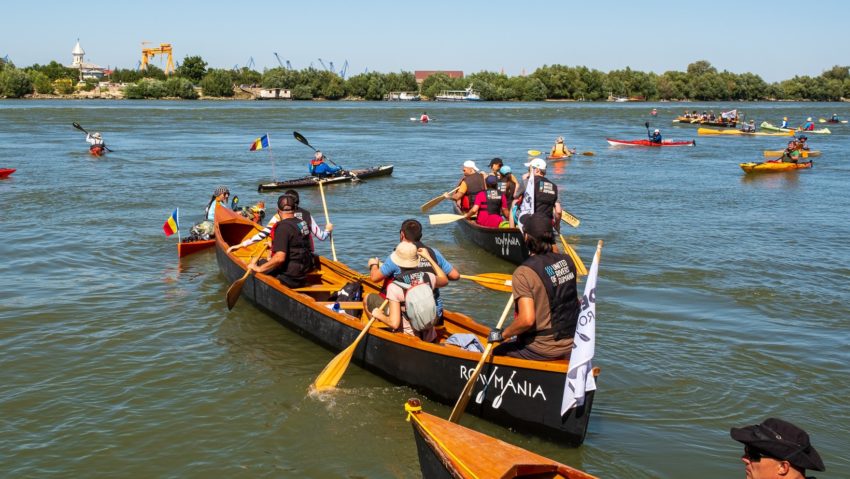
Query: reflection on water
{"type": "Point", "coordinates": [778, 179]}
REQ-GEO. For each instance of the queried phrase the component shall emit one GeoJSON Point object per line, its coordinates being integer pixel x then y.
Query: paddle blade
{"type": "Point", "coordinates": [330, 376]}
{"type": "Point", "coordinates": [443, 218]}
{"type": "Point", "coordinates": [534, 153]}
{"type": "Point", "coordinates": [587, 153]}
{"type": "Point", "coordinates": [569, 219]}
{"type": "Point", "coordinates": [494, 281]}
{"type": "Point", "coordinates": [432, 203]}
{"type": "Point", "coordinates": [581, 269]}
{"type": "Point", "coordinates": [300, 138]}
{"type": "Point", "coordinates": [235, 290]}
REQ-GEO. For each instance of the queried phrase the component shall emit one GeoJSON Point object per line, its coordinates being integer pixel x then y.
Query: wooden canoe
{"type": "Point", "coordinates": [186, 246]}
{"type": "Point", "coordinates": [449, 450]}
{"type": "Point", "coordinates": [5, 172]}
{"type": "Point", "coordinates": [696, 121]}
{"type": "Point", "coordinates": [711, 131]}
{"type": "Point", "coordinates": [529, 392]}
{"type": "Point", "coordinates": [307, 181]}
{"type": "Point", "coordinates": [506, 243]}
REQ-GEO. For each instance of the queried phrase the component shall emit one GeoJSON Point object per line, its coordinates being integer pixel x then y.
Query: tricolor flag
{"type": "Point", "coordinates": [260, 143]}
{"type": "Point", "coordinates": [526, 207]}
{"type": "Point", "coordinates": [171, 225]}
{"type": "Point", "coordinates": [580, 373]}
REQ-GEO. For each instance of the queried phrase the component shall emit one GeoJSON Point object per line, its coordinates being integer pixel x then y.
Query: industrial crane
{"type": "Point", "coordinates": [163, 49]}
{"type": "Point", "coordinates": [323, 64]}
{"type": "Point", "coordinates": [343, 70]}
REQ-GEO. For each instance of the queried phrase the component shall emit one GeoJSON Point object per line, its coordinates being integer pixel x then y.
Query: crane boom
{"type": "Point", "coordinates": [278, 59]}
{"type": "Point", "coordinates": [323, 64]}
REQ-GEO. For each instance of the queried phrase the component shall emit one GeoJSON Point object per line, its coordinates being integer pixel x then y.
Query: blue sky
{"type": "Point", "coordinates": [776, 40]}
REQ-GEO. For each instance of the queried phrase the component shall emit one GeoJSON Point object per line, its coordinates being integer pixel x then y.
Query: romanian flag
{"type": "Point", "coordinates": [170, 227]}
{"type": "Point", "coordinates": [260, 143]}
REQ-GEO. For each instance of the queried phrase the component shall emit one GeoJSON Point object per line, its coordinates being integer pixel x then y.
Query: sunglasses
{"type": "Point", "coordinates": [754, 454]}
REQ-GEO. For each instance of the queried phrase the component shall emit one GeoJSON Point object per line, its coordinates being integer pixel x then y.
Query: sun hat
{"type": "Point", "coordinates": [781, 440]}
{"type": "Point", "coordinates": [470, 164]}
{"type": "Point", "coordinates": [96, 135]}
{"type": "Point", "coordinates": [405, 255]}
{"type": "Point", "coordinates": [537, 163]}
{"type": "Point", "coordinates": [220, 190]}
{"type": "Point", "coordinates": [809, 119]}
{"type": "Point", "coordinates": [560, 139]}
{"type": "Point", "coordinates": [505, 170]}
{"type": "Point", "coordinates": [496, 161]}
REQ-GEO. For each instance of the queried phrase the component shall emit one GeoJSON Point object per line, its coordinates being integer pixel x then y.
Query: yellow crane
{"type": "Point", "coordinates": [150, 52]}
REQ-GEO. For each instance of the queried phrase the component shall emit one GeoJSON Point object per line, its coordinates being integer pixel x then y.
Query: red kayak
{"type": "Point", "coordinates": [613, 142]}
{"type": "Point", "coordinates": [97, 150]}
{"type": "Point", "coordinates": [188, 246]}
{"type": "Point", "coordinates": [4, 172]}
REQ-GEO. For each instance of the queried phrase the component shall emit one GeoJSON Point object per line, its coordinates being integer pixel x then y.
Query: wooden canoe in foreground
{"type": "Point", "coordinates": [451, 451]}
{"type": "Point", "coordinates": [517, 393]}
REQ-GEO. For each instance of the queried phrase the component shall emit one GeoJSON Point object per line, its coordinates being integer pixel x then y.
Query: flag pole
{"type": "Point", "coordinates": [178, 224]}
{"type": "Point", "coordinates": [271, 158]}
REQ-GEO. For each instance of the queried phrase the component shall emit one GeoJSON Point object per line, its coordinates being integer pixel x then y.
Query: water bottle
{"type": "Point", "coordinates": [336, 307]}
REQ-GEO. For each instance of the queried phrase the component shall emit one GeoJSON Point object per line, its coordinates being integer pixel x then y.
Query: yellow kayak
{"type": "Point", "coordinates": [773, 166]}
{"type": "Point", "coordinates": [712, 131]}
{"type": "Point", "coordinates": [778, 153]}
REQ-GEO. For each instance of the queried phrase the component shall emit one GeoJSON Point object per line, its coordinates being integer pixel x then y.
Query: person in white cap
{"type": "Point", "coordinates": [810, 125]}
{"type": "Point", "coordinates": [545, 192]}
{"type": "Point", "coordinates": [471, 183]}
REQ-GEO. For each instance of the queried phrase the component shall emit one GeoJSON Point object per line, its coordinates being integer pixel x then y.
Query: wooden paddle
{"type": "Point", "coordinates": [235, 289]}
{"type": "Point", "coordinates": [330, 376]}
{"type": "Point", "coordinates": [581, 269]}
{"type": "Point", "coordinates": [466, 393]}
{"type": "Point", "coordinates": [444, 218]}
{"type": "Point", "coordinates": [494, 281]}
{"type": "Point", "coordinates": [570, 219]}
{"type": "Point", "coordinates": [327, 218]}
{"type": "Point", "coordinates": [432, 203]}
{"type": "Point", "coordinates": [77, 126]}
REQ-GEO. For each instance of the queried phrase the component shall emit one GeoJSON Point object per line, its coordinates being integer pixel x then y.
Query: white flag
{"type": "Point", "coordinates": [730, 114]}
{"type": "Point", "coordinates": [580, 373]}
{"type": "Point", "coordinates": [526, 207]}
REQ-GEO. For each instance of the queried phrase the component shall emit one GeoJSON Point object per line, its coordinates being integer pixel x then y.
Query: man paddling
{"type": "Point", "coordinates": [776, 449]}
{"type": "Point", "coordinates": [547, 305]}
{"type": "Point", "coordinates": [471, 183]}
{"type": "Point", "coordinates": [545, 193]}
{"type": "Point", "coordinates": [809, 125]}
{"type": "Point", "coordinates": [96, 141]}
{"type": "Point", "coordinates": [291, 257]}
{"type": "Point", "coordinates": [319, 168]}
{"type": "Point", "coordinates": [560, 150]}
{"type": "Point", "coordinates": [655, 136]}
{"type": "Point", "coordinates": [424, 118]}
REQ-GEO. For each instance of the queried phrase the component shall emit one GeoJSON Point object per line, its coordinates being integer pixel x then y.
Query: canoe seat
{"type": "Point", "coordinates": [344, 304]}
{"type": "Point", "coordinates": [319, 288]}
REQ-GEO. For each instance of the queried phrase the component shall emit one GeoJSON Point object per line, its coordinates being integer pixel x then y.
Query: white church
{"type": "Point", "coordinates": [87, 70]}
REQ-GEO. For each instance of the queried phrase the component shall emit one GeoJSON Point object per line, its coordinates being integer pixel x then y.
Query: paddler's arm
{"type": "Point", "coordinates": [460, 192]}
{"type": "Point", "coordinates": [321, 234]}
{"type": "Point", "coordinates": [275, 261]}
{"type": "Point", "coordinates": [263, 234]}
{"type": "Point", "coordinates": [442, 279]}
{"type": "Point", "coordinates": [524, 319]}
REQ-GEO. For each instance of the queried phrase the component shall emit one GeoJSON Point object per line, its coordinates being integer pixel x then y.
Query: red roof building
{"type": "Point", "coordinates": [421, 75]}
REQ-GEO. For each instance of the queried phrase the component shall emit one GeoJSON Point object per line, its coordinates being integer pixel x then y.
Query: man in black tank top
{"type": "Point", "coordinates": [547, 305]}
{"type": "Point", "coordinates": [291, 257]}
{"type": "Point", "coordinates": [302, 214]}
{"type": "Point", "coordinates": [471, 183]}
{"type": "Point", "coordinates": [545, 192]}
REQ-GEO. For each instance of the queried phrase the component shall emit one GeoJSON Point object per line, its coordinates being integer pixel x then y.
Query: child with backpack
{"type": "Point", "coordinates": [411, 307]}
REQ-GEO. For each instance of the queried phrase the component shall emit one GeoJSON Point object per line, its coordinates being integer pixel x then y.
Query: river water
{"type": "Point", "coordinates": [722, 299]}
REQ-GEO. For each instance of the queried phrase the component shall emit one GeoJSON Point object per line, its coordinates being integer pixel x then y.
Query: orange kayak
{"type": "Point", "coordinates": [773, 166]}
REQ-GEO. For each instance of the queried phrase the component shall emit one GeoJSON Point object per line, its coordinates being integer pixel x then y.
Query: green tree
{"type": "Point", "coordinates": [700, 67]}
{"type": "Point", "coordinates": [246, 76]}
{"type": "Point", "coordinates": [64, 86]}
{"type": "Point", "coordinates": [837, 73]}
{"type": "Point", "coordinates": [153, 71]}
{"type": "Point", "coordinates": [192, 68]}
{"type": "Point", "coordinates": [434, 84]}
{"type": "Point", "coordinates": [14, 83]}
{"type": "Point", "coordinates": [217, 83]}
{"type": "Point", "coordinates": [334, 89]}
{"type": "Point", "coordinates": [41, 83]}
{"type": "Point", "coordinates": [302, 92]}
{"type": "Point", "coordinates": [121, 75]}
{"type": "Point", "coordinates": [180, 88]}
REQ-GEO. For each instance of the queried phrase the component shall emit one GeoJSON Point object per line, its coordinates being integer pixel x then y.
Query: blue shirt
{"type": "Point", "coordinates": [390, 269]}
{"type": "Point", "coordinates": [655, 137]}
{"type": "Point", "coordinates": [323, 169]}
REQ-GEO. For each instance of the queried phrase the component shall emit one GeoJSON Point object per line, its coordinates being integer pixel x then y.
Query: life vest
{"type": "Point", "coordinates": [560, 149]}
{"type": "Point", "coordinates": [494, 201]}
{"type": "Point", "coordinates": [304, 216]}
{"type": "Point", "coordinates": [545, 196]}
{"type": "Point", "coordinates": [474, 184]}
{"type": "Point", "coordinates": [299, 252]}
{"type": "Point", "coordinates": [507, 187]}
{"type": "Point", "coordinates": [557, 273]}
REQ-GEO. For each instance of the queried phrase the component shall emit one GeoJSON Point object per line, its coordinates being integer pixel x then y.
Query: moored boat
{"type": "Point", "coordinates": [773, 166]}
{"type": "Point", "coordinates": [97, 150]}
{"type": "Point", "coordinates": [506, 243]}
{"type": "Point", "coordinates": [614, 142]}
{"type": "Point", "coordinates": [351, 175]}
{"type": "Point", "coordinates": [449, 450]}
{"type": "Point", "coordinates": [770, 127]}
{"type": "Point", "coordinates": [458, 95]}
{"type": "Point", "coordinates": [517, 393]}
{"type": "Point", "coordinates": [5, 172]}
{"type": "Point", "coordinates": [778, 153]}
{"type": "Point", "coordinates": [711, 131]}
{"type": "Point", "coordinates": [187, 246]}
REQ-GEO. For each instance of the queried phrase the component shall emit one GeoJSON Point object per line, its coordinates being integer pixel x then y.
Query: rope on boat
{"type": "Point", "coordinates": [411, 414]}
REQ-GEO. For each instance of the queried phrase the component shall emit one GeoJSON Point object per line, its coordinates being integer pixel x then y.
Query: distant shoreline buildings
{"type": "Point", "coordinates": [88, 71]}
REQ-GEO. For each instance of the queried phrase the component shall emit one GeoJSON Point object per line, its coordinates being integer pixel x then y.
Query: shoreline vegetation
{"type": "Point", "coordinates": [193, 80]}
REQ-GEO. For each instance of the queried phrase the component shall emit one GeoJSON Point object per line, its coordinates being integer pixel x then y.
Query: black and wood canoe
{"type": "Point", "coordinates": [522, 394]}
{"type": "Point", "coordinates": [506, 243]}
{"type": "Point", "coordinates": [698, 122]}
{"type": "Point", "coordinates": [450, 451]}
{"type": "Point", "coordinates": [348, 176]}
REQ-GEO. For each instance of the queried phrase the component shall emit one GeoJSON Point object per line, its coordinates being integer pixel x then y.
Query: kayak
{"type": "Point", "coordinates": [711, 131]}
{"type": "Point", "coordinates": [613, 142]}
{"type": "Point", "coordinates": [560, 157]}
{"type": "Point", "coordinates": [187, 246]}
{"type": "Point", "coordinates": [778, 153]}
{"type": "Point", "coordinates": [767, 126]}
{"type": "Point", "coordinates": [97, 150]}
{"type": "Point", "coordinates": [348, 176]}
{"type": "Point", "coordinates": [5, 172]}
{"type": "Point", "coordinates": [823, 120]}
{"type": "Point", "coordinates": [773, 166]}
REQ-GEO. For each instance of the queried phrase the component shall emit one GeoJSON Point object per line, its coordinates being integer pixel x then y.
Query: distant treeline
{"type": "Point", "coordinates": [701, 81]}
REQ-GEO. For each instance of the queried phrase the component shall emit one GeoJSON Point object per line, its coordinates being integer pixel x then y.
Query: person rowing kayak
{"type": "Point", "coordinates": [784, 122]}
{"type": "Point", "coordinates": [319, 168]}
{"type": "Point", "coordinates": [749, 127]}
{"type": "Point", "coordinates": [809, 125]}
{"type": "Point", "coordinates": [560, 150]}
{"type": "Point", "coordinates": [655, 136]}
{"type": "Point", "coordinates": [424, 118]}
{"type": "Point", "coordinates": [96, 141]}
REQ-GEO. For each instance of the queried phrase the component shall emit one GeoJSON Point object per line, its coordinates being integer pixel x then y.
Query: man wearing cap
{"type": "Point", "coordinates": [545, 192]}
{"type": "Point", "coordinates": [547, 305]}
{"type": "Point", "coordinates": [471, 183]}
{"type": "Point", "coordinates": [490, 205]}
{"type": "Point", "coordinates": [776, 449]}
{"type": "Point", "coordinates": [809, 125]}
{"type": "Point", "coordinates": [291, 257]}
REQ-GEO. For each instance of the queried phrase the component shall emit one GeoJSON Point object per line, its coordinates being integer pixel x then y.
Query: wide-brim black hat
{"type": "Point", "coordinates": [781, 440]}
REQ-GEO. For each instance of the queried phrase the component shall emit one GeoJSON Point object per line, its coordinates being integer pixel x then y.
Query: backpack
{"type": "Point", "coordinates": [420, 307]}
{"type": "Point", "coordinates": [352, 291]}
